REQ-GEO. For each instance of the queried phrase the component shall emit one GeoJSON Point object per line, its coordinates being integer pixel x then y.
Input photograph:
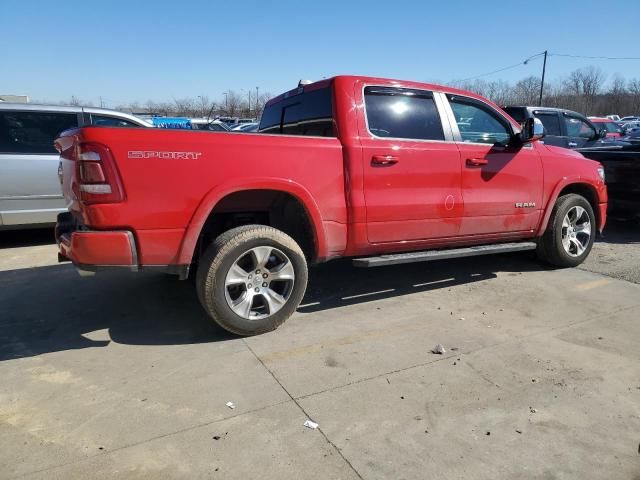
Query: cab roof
{"type": "Point", "coordinates": [378, 81]}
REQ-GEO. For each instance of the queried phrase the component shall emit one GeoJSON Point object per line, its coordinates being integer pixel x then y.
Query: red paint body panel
{"type": "Point", "coordinates": [429, 198]}
{"type": "Point", "coordinates": [99, 248]}
{"type": "Point", "coordinates": [491, 191]}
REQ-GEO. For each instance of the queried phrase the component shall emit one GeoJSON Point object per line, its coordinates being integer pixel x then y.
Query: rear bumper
{"type": "Point", "coordinates": [92, 248]}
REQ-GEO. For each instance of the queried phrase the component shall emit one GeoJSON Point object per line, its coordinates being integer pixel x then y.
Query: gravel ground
{"type": "Point", "coordinates": [617, 253]}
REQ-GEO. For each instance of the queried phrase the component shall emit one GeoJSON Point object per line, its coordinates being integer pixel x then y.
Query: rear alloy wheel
{"type": "Point", "coordinates": [259, 283]}
{"type": "Point", "coordinates": [570, 232]}
{"type": "Point", "coordinates": [251, 279]}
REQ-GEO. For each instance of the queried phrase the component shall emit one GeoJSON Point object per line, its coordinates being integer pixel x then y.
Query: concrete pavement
{"type": "Point", "coordinates": [122, 375]}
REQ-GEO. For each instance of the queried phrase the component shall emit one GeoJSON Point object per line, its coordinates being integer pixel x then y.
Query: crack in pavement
{"type": "Point", "coordinates": [294, 400]}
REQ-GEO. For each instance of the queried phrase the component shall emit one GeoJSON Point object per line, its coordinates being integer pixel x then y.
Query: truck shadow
{"type": "Point", "coordinates": [51, 309]}
{"type": "Point", "coordinates": [620, 230]}
{"type": "Point", "coordinates": [27, 238]}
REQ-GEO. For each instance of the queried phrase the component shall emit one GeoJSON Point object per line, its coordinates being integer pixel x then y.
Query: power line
{"type": "Point", "coordinates": [592, 57]}
{"type": "Point", "coordinates": [501, 69]}
{"type": "Point", "coordinates": [540, 54]}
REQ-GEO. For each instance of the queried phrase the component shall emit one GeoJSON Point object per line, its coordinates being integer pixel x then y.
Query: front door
{"type": "Point", "coordinates": [501, 180]}
{"type": "Point", "coordinates": [411, 169]}
{"type": "Point", "coordinates": [580, 133]}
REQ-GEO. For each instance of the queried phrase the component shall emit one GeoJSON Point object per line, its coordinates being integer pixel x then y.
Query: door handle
{"type": "Point", "coordinates": [384, 160]}
{"type": "Point", "coordinates": [572, 144]}
{"type": "Point", "coordinates": [476, 162]}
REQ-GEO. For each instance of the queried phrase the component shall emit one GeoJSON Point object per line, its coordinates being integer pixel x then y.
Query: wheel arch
{"type": "Point", "coordinates": [572, 185]}
{"type": "Point", "coordinates": [224, 192]}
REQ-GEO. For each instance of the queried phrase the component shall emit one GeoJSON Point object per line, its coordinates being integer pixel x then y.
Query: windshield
{"type": "Point", "coordinates": [612, 127]}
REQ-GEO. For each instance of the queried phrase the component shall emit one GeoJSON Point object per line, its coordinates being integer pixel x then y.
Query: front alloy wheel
{"type": "Point", "coordinates": [570, 232]}
{"type": "Point", "coordinates": [576, 231]}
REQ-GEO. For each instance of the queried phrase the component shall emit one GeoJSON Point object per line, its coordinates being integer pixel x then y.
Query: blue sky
{"type": "Point", "coordinates": [139, 50]}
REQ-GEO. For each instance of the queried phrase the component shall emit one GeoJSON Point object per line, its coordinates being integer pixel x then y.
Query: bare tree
{"type": "Point", "coordinates": [527, 91]}
{"type": "Point", "coordinates": [585, 84]}
{"type": "Point", "coordinates": [633, 87]}
{"type": "Point", "coordinates": [233, 103]}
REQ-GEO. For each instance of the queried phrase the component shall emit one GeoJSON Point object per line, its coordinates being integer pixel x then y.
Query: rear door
{"type": "Point", "coordinates": [29, 186]}
{"type": "Point", "coordinates": [411, 167]}
{"type": "Point", "coordinates": [501, 180]}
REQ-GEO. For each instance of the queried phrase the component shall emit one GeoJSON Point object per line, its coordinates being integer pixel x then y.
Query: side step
{"type": "Point", "coordinates": [431, 255]}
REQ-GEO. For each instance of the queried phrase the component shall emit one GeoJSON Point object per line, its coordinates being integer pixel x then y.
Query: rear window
{"type": "Point", "coordinates": [517, 113]}
{"type": "Point", "coordinates": [309, 113]}
{"type": "Point", "coordinates": [33, 132]}
{"type": "Point", "coordinates": [105, 121]}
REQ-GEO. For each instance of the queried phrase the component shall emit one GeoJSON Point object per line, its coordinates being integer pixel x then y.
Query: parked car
{"type": "Point", "coordinates": [615, 118]}
{"type": "Point", "coordinates": [632, 134]}
{"type": "Point", "coordinates": [29, 187]}
{"type": "Point", "coordinates": [620, 158]}
{"type": "Point", "coordinates": [613, 130]}
{"type": "Point", "coordinates": [563, 128]}
{"type": "Point", "coordinates": [626, 126]}
{"type": "Point", "coordinates": [631, 118]}
{"type": "Point", "coordinates": [208, 124]}
{"type": "Point", "coordinates": [394, 180]}
{"type": "Point", "coordinates": [246, 127]}
{"type": "Point", "coordinates": [180, 123]}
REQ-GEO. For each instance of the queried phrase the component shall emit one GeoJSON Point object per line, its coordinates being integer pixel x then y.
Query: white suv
{"type": "Point", "coordinates": [30, 194]}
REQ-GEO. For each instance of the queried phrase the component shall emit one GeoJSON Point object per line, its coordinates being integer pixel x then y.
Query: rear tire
{"type": "Point", "coordinates": [570, 233]}
{"type": "Point", "coordinates": [251, 279]}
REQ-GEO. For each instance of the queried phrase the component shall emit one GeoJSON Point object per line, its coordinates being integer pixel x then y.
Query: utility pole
{"type": "Point", "coordinates": [249, 104]}
{"type": "Point", "coordinates": [226, 104]}
{"type": "Point", "coordinates": [544, 68]}
{"type": "Point", "coordinates": [101, 104]}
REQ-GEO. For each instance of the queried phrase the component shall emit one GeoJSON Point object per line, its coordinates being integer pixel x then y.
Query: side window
{"type": "Point", "coordinates": [32, 132]}
{"type": "Point", "coordinates": [402, 113]}
{"type": "Point", "coordinates": [576, 127]}
{"type": "Point", "coordinates": [105, 121]}
{"type": "Point", "coordinates": [478, 123]}
{"type": "Point", "coordinates": [551, 123]}
{"type": "Point", "coordinates": [308, 113]}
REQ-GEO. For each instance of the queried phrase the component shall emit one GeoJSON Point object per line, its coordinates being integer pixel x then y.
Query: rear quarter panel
{"type": "Point", "coordinates": [168, 199]}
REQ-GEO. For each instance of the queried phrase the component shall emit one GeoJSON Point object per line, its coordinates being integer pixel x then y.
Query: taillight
{"type": "Point", "coordinates": [98, 178]}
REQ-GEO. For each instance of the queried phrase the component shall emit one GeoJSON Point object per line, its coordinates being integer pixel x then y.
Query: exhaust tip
{"type": "Point", "coordinates": [85, 273]}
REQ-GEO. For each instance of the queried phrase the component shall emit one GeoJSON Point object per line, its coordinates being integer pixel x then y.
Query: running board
{"type": "Point", "coordinates": [431, 255]}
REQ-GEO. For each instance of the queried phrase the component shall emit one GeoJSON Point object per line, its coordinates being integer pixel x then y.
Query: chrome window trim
{"type": "Point", "coordinates": [445, 128]}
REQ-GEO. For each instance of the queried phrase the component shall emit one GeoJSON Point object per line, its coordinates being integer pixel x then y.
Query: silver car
{"type": "Point", "coordinates": [30, 194]}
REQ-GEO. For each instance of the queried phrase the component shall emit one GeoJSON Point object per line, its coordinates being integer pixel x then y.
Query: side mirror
{"type": "Point", "coordinates": [602, 133]}
{"type": "Point", "coordinates": [532, 130]}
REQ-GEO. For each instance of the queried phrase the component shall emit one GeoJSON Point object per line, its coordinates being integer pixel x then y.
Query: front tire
{"type": "Point", "coordinates": [570, 233]}
{"type": "Point", "coordinates": [251, 279]}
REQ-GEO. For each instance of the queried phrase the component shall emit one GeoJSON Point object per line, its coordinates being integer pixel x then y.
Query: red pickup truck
{"type": "Point", "coordinates": [381, 170]}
